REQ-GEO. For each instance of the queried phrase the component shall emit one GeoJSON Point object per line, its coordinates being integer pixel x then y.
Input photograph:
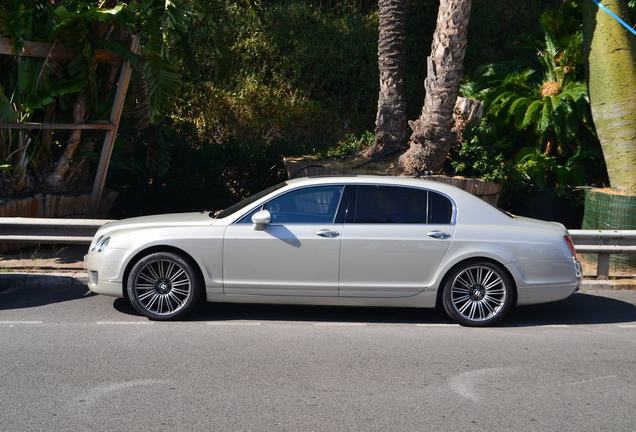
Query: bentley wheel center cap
{"type": "Point", "coordinates": [478, 292]}
{"type": "Point", "coordinates": [163, 286]}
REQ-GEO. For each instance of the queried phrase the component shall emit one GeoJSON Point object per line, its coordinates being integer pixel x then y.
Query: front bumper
{"type": "Point", "coordinates": [105, 271]}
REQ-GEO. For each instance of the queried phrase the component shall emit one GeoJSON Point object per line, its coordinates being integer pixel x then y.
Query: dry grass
{"type": "Point", "coordinates": [588, 261]}
{"type": "Point", "coordinates": [610, 191]}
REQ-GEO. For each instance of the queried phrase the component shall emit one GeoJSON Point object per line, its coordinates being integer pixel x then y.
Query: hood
{"type": "Point", "coordinates": [158, 221]}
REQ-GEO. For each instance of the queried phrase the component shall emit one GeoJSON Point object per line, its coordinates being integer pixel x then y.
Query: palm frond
{"type": "Point", "coordinates": [518, 113]}
{"type": "Point", "coordinates": [142, 110]}
{"type": "Point", "coordinates": [532, 114]}
{"type": "Point", "coordinates": [163, 81]}
{"type": "Point", "coordinates": [546, 114]}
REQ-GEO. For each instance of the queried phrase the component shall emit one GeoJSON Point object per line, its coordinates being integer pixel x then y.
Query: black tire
{"type": "Point", "coordinates": [170, 302]}
{"type": "Point", "coordinates": [491, 303]}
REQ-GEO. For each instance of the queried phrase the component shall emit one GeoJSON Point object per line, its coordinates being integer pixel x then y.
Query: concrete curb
{"type": "Point", "coordinates": [611, 284]}
{"type": "Point", "coordinates": [58, 279]}
{"type": "Point", "coordinates": [51, 279]}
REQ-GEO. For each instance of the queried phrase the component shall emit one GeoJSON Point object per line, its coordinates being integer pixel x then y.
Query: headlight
{"type": "Point", "coordinates": [95, 243]}
{"type": "Point", "coordinates": [101, 245]}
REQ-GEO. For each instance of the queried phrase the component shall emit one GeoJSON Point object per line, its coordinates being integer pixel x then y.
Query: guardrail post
{"type": "Point", "coordinates": [602, 266]}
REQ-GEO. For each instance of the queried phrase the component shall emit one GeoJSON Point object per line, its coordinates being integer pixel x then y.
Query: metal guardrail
{"type": "Point", "coordinates": [81, 231]}
{"type": "Point", "coordinates": [48, 230]}
{"type": "Point", "coordinates": [603, 243]}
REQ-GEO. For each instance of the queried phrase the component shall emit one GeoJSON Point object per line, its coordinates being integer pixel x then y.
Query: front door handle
{"type": "Point", "coordinates": [327, 233]}
{"type": "Point", "coordinates": [438, 234]}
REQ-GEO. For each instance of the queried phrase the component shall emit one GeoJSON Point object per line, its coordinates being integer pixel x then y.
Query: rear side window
{"type": "Point", "coordinates": [440, 209]}
{"type": "Point", "coordinates": [389, 204]}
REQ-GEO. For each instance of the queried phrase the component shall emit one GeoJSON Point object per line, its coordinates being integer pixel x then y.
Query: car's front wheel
{"type": "Point", "coordinates": [478, 294]}
{"type": "Point", "coordinates": [163, 286]}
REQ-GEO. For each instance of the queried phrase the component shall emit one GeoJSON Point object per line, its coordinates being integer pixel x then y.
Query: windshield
{"type": "Point", "coordinates": [245, 202]}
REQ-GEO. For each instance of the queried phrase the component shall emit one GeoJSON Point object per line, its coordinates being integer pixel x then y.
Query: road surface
{"type": "Point", "coordinates": [72, 361]}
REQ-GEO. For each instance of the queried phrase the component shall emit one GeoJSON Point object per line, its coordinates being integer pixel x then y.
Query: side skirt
{"type": "Point", "coordinates": [425, 299]}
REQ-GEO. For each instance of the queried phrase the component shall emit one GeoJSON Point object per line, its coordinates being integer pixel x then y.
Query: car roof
{"type": "Point", "coordinates": [375, 179]}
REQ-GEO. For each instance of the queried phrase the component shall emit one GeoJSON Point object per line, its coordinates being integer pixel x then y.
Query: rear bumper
{"type": "Point", "coordinates": [545, 281]}
{"type": "Point", "coordinates": [105, 270]}
{"type": "Point", "coordinates": [533, 294]}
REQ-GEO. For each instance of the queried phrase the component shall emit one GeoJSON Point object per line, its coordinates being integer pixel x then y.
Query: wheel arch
{"type": "Point", "coordinates": [160, 248]}
{"type": "Point", "coordinates": [440, 287]}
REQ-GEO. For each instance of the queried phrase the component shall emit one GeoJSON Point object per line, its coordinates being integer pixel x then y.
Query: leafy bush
{"type": "Point", "coordinates": [282, 77]}
{"type": "Point", "coordinates": [478, 156]}
{"type": "Point", "coordinates": [255, 111]}
{"type": "Point", "coordinates": [350, 145]}
{"type": "Point", "coordinates": [537, 118]}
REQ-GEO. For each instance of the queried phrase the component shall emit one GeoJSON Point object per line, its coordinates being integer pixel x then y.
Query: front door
{"type": "Point", "coordinates": [297, 254]}
{"type": "Point", "coordinates": [394, 241]}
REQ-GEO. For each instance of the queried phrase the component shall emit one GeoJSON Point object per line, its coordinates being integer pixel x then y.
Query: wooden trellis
{"type": "Point", "coordinates": [60, 53]}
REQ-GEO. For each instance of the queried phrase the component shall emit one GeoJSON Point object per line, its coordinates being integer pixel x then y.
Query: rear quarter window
{"type": "Point", "coordinates": [440, 209]}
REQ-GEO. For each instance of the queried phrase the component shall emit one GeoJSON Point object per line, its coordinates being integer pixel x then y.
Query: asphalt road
{"type": "Point", "coordinates": [71, 361]}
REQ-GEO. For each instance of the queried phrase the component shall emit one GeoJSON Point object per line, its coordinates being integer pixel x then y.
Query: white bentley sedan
{"type": "Point", "coordinates": [353, 241]}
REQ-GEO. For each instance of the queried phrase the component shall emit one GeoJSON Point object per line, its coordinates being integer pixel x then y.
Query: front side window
{"type": "Point", "coordinates": [317, 205]}
{"type": "Point", "coordinates": [247, 201]}
{"type": "Point", "coordinates": [390, 204]}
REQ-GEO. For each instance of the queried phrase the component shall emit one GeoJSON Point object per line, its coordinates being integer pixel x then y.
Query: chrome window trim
{"type": "Point", "coordinates": [428, 205]}
{"type": "Point", "coordinates": [453, 207]}
{"type": "Point", "coordinates": [453, 220]}
{"type": "Point", "coordinates": [335, 215]}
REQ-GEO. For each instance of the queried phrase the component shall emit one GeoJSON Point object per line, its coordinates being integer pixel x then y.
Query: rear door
{"type": "Point", "coordinates": [393, 241]}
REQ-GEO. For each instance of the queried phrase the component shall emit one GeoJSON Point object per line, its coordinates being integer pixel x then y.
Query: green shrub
{"type": "Point", "coordinates": [537, 132]}
{"type": "Point", "coordinates": [350, 145]}
{"type": "Point", "coordinates": [291, 77]}
{"type": "Point", "coordinates": [477, 156]}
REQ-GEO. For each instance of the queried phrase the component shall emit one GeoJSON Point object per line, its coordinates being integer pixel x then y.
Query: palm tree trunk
{"type": "Point", "coordinates": [390, 123]}
{"type": "Point", "coordinates": [612, 82]}
{"type": "Point", "coordinates": [432, 137]}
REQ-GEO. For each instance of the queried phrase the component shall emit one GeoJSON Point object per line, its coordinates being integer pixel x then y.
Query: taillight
{"type": "Point", "coordinates": [570, 243]}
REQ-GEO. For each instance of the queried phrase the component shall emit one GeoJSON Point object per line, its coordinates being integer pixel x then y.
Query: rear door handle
{"type": "Point", "coordinates": [438, 234]}
{"type": "Point", "coordinates": [327, 233]}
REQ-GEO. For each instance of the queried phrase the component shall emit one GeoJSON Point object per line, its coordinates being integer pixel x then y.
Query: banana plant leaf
{"type": "Point", "coordinates": [7, 113]}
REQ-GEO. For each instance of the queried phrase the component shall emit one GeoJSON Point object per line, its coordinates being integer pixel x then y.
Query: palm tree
{"type": "Point", "coordinates": [390, 124]}
{"type": "Point", "coordinates": [611, 74]}
{"type": "Point", "coordinates": [432, 137]}
{"type": "Point", "coordinates": [611, 81]}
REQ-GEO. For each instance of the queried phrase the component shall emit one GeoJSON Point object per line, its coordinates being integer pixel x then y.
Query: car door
{"type": "Point", "coordinates": [393, 241]}
{"type": "Point", "coordinates": [297, 254]}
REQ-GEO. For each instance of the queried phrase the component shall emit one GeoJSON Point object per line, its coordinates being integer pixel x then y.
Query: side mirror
{"type": "Point", "coordinates": [261, 218]}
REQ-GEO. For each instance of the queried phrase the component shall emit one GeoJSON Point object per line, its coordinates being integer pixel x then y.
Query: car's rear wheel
{"type": "Point", "coordinates": [163, 286]}
{"type": "Point", "coordinates": [478, 294]}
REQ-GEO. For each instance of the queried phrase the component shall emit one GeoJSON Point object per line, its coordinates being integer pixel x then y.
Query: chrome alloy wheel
{"type": "Point", "coordinates": [478, 293]}
{"type": "Point", "coordinates": [163, 287]}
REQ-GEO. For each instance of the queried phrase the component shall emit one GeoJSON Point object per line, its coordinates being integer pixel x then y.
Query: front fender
{"type": "Point", "coordinates": [204, 245]}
